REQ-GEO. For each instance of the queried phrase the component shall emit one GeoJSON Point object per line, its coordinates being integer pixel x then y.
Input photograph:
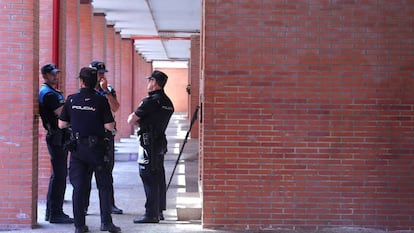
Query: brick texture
{"type": "Point", "coordinates": [175, 87]}
{"type": "Point", "coordinates": [117, 78]}
{"type": "Point", "coordinates": [110, 55]}
{"type": "Point", "coordinates": [142, 70]}
{"type": "Point", "coordinates": [99, 37]}
{"type": "Point", "coordinates": [19, 54]}
{"type": "Point", "coordinates": [194, 81]}
{"type": "Point", "coordinates": [125, 90]}
{"type": "Point", "coordinates": [45, 56]}
{"type": "Point", "coordinates": [86, 35]}
{"type": "Point", "coordinates": [69, 48]}
{"type": "Point", "coordinates": [308, 114]}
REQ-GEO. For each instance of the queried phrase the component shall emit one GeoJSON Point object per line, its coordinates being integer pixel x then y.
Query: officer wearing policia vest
{"type": "Point", "coordinates": [152, 117]}
{"type": "Point", "coordinates": [50, 105]}
{"type": "Point", "coordinates": [89, 115]}
{"type": "Point", "coordinates": [102, 88]}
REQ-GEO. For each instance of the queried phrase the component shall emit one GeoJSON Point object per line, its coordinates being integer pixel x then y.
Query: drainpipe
{"type": "Point", "coordinates": [55, 32]}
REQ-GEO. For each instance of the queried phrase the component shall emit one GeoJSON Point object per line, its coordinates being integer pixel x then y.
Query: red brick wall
{"type": "Point", "coordinates": [69, 49]}
{"type": "Point", "coordinates": [110, 54]}
{"type": "Point", "coordinates": [45, 56]}
{"type": "Point", "coordinates": [142, 70]}
{"type": "Point", "coordinates": [86, 35]}
{"type": "Point", "coordinates": [125, 90]}
{"type": "Point", "coordinates": [308, 114]}
{"type": "Point", "coordinates": [117, 77]}
{"type": "Point", "coordinates": [175, 87]}
{"type": "Point", "coordinates": [194, 80]}
{"type": "Point", "coordinates": [98, 37]}
{"type": "Point", "coordinates": [19, 54]}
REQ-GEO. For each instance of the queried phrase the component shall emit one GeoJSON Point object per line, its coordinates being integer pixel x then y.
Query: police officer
{"type": "Point", "coordinates": [152, 117]}
{"type": "Point", "coordinates": [89, 115]}
{"type": "Point", "coordinates": [50, 104]}
{"type": "Point", "coordinates": [109, 92]}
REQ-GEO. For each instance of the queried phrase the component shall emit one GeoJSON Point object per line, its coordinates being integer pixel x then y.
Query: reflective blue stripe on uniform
{"type": "Point", "coordinates": [44, 89]}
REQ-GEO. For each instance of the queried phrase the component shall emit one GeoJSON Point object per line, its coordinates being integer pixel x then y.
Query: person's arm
{"type": "Point", "coordinates": [63, 124]}
{"type": "Point", "coordinates": [110, 126]}
{"type": "Point", "coordinates": [133, 119]}
{"type": "Point", "coordinates": [113, 102]}
{"type": "Point", "coordinates": [58, 110]}
{"type": "Point", "coordinates": [110, 96]}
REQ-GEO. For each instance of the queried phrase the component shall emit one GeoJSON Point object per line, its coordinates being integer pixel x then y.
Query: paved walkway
{"type": "Point", "coordinates": [129, 193]}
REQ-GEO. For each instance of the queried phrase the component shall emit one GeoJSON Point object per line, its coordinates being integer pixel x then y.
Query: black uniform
{"type": "Point", "coordinates": [87, 113]}
{"type": "Point", "coordinates": [111, 159]}
{"type": "Point", "coordinates": [51, 99]}
{"type": "Point", "coordinates": [154, 114]}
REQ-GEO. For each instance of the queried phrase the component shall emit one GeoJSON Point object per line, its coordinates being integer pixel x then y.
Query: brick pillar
{"type": "Point", "coordinates": [86, 34]}
{"type": "Point", "coordinates": [99, 37]}
{"type": "Point", "coordinates": [194, 81]}
{"type": "Point", "coordinates": [69, 48]}
{"type": "Point", "coordinates": [110, 54]}
{"type": "Point", "coordinates": [144, 69]}
{"type": "Point", "coordinates": [308, 114]}
{"type": "Point", "coordinates": [20, 117]}
{"type": "Point", "coordinates": [126, 86]}
{"type": "Point", "coordinates": [117, 79]}
{"type": "Point", "coordinates": [45, 56]}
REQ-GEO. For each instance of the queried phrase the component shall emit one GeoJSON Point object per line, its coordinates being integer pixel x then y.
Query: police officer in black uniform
{"type": "Point", "coordinates": [153, 116]}
{"type": "Point", "coordinates": [50, 104]}
{"type": "Point", "coordinates": [103, 88]}
{"type": "Point", "coordinates": [89, 115]}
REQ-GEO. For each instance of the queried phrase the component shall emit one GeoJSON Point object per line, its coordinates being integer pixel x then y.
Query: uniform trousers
{"type": "Point", "coordinates": [82, 161]}
{"type": "Point", "coordinates": [155, 189]}
{"type": "Point", "coordinates": [111, 154]}
{"type": "Point", "coordinates": [57, 182]}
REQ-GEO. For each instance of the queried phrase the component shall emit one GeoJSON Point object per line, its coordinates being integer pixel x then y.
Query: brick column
{"type": "Point", "coordinates": [194, 81]}
{"type": "Point", "coordinates": [110, 54]}
{"type": "Point", "coordinates": [69, 48]}
{"type": "Point", "coordinates": [99, 37]}
{"type": "Point", "coordinates": [117, 80]}
{"type": "Point", "coordinates": [144, 69]}
{"type": "Point", "coordinates": [45, 56]}
{"type": "Point", "coordinates": [20, 117]}
{"type": "Point", "coordinates": [126, 87]}
{"type": "Point", "coordinates": [86, 33]}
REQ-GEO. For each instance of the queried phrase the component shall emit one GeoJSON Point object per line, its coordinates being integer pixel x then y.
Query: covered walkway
{"type": "Point", "coordinates": [306, 107]}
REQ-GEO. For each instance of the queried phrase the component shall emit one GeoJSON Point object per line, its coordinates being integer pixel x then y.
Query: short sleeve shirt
{"type": "Point", "coordinates": [87, 112]}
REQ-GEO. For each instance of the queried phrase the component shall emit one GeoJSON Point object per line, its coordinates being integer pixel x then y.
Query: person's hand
{"type": "Point", "coordinates": [104, 84]}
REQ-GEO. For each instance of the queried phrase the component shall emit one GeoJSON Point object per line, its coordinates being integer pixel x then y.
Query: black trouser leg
{"type": "Point", "coordinates": [57, 182]}
{"type": "Point", "coordinates": [152, 193]}
{"type": "Point", "coordinates": [163, 191]}
{"type": "Point", "coordinates": [78, 174]}
{"type": "Point", "coordinates": [111, 154]}
{"type": "Point", "coordinates": [88, 187]}
{"type": "Point", "coordinates": [103, 181]}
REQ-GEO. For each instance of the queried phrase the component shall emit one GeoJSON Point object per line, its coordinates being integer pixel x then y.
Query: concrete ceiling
{"type": "Point", "coordinates": [161, 29]}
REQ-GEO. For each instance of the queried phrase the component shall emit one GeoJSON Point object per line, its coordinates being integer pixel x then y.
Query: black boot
{"type": "Point", "coordinates": [110, 227]}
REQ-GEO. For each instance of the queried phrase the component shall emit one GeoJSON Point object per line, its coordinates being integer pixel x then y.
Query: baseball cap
{"type": "Point", "coordinates": [99, 66]}
{"type": "Point", "coordinates": [49, 68]}
{"type": "Point", "coordinates": [159, 76]}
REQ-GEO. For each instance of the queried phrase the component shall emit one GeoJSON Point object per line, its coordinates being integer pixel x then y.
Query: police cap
{"type": "Point", "coordinates": [98, 65]}
{"type": "Point", "coordinates": [160, 77]}
{"type": "Point", "coordinates": [49, 68]}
